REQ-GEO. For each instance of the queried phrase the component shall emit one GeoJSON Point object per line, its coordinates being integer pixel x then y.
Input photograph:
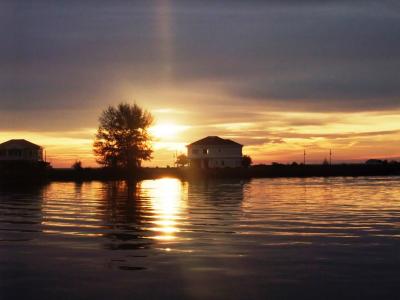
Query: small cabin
{"type": "Point", "coordinates": [215, 152]}
{"type": "Point", "coordinates": [20, 150]}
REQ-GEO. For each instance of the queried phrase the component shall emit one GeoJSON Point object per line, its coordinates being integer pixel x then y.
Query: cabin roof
{"type": "Point", "coordinates": [19, 144]}
{"type": "Point", "coordinates": [214, 141]}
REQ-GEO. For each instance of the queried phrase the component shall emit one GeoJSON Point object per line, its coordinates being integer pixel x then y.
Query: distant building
{"type": "Point", "coordinates": [20, 150]}
{"type": "Point", "coordinates": [376, 162]}
{"type": "Point", "coordinates": [215, 152]}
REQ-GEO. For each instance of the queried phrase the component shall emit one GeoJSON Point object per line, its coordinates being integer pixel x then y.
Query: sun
{"type": "Point", "coordinates": [166, 130]}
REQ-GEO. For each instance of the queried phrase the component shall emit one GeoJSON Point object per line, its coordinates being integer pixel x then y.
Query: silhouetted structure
{"type": "Point", "coordinates": [215, 152]}
{"type": "Point", "coordinates": [20, 150]}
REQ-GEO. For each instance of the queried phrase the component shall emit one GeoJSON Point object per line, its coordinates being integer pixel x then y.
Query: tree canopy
{"type": "Point", "coordinates": [77, 165]}
{"type": "Point", "coordinates": [246, 161]}
{"type": "Point", "coordinates": [122, 139]}
{"type": "Point", "coordinates": [182, 160]}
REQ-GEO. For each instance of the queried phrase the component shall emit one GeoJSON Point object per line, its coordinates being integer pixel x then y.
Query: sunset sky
{"type": "Point", "coordinates": [276, 76]}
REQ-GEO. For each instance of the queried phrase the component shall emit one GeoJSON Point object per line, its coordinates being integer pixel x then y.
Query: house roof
{"type": "Point", "coordinates": [19, 144]}
{"type": "Point", "coordinates": [214, 141]}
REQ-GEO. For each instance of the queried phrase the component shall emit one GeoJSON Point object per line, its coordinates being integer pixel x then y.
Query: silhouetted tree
{"type": "Point", "coordinates": [122, 139]}
{"type": "Point", "coordinates": [77, 166]}
{"type": "Point", "coordinates": [182, 160]}
{"type": "Point", "coordinates": [246, 161]}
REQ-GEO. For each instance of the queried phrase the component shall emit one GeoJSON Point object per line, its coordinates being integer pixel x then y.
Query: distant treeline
{"type": "Point", "coordinates": [18, 171]}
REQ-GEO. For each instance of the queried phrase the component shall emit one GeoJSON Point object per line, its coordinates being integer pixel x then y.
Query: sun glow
{"type": "Point", "coordinates": [167, 131]}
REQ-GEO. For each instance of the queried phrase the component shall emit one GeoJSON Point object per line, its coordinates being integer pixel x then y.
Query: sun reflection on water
{"type": "Point", "coordinates": [167, 199]}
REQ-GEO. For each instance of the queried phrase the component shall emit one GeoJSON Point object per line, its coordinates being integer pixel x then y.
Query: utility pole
{"type": "Point", "coordinates": [304, 158]}
{"type": "Point", "coordinates": [330, 157]}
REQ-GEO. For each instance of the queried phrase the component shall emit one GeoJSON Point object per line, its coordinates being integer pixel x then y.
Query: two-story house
{"type": "Point", "coordinates": [215, 152]}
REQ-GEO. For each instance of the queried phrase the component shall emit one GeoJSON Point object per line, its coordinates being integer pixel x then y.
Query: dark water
{"type": "Point", "coordinates": [317, 238]}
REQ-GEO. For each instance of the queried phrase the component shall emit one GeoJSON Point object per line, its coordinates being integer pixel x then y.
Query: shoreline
{"type": "Point", "coordinates": [256, 171]}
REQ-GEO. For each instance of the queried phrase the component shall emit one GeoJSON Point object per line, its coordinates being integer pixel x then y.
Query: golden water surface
{"type": "Point", "coordinates": [309, 238]}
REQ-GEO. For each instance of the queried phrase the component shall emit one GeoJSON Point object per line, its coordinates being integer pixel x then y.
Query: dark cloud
{"type": "Point", "coordinates": [260, 141]}
{"type": "Point", "coordinates": [347, 135]}
{"type": "Point", "coordinates": [281, 55]}
{"type": "Point", "coordinates": [342, 58]}
{"type": "Point", "coordinates": [263, 137]}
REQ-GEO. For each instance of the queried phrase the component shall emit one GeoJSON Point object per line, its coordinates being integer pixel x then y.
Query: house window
{"type": "Point", "coordinates": [219, 150]}
{"type": "Point", "coordinates": [205, 151]}
{"type": "Point", "coordinates": [14, 152]}
{"type": "Point", "coordinates": [2, 152]}
{"type": "Point", "coordinates": [222, 163]}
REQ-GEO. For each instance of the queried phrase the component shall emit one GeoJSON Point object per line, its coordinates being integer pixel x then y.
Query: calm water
{"type": "Point", "coordinates": [336, 238]}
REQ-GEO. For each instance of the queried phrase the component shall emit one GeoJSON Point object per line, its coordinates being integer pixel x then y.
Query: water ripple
{"type": "Point", "coordinates": [264, 231]}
